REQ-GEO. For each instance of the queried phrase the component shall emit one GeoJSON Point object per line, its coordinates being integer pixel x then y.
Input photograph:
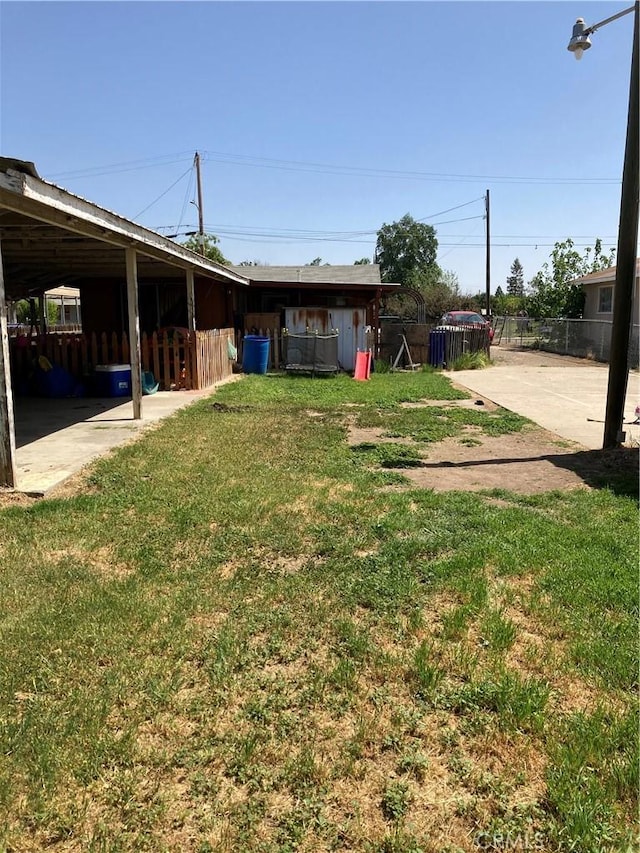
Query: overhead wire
{"type": "Point", "coordinates": [326, 168]}
{"type": "Point", "coordinates": [321, 168]}
{"type": "Point", "coordinates": [283, 241]}
{"type": "Point", "coordinates": [127, 166]}
{"type": "Point", "coordinates": [144, 210]}
{"type": "Point", "coordinates": [299, 233]}
{"type": "Point", "coordinates": [185, 201]}
{"type": "Point", "coordinates": [286, 235]}
{"type": "Point", "coordinates": [452, 248]}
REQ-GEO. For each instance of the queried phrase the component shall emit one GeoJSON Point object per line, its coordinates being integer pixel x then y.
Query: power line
{"type": "Point", "coordinates": [185, 201]}
{"type": "Point", "coordinates": [605, 238]}
{"type": "Point", "coordinates": [326, 168]}
{"type": "Point", "coordinates": [453, 248]}
{"type": "Point", "coordinates": [291, 236]}
{"type": "Point", "coordinates": [289, 239]}
{"type": "Point", "coordinates": [457, 207]}
{"type": "Point", "coordinates": [144, 210]}
{"type": "Point", "coordinates": [321, 168]}
{"type": "Point", "coordinates": [127, 166]}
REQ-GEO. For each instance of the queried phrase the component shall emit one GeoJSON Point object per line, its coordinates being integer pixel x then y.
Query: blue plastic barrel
{"type": "Point", "coordinates": [437, 347]}
{"type": "Point", "coordinates": [255, 354]}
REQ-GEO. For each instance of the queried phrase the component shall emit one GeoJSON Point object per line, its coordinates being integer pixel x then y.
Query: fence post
{"type": "Point", "coordinates": [566, 337]}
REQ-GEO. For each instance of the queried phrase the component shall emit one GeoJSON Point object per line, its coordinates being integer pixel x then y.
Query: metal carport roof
{"type": "Point", "coordinates": [51, 237]}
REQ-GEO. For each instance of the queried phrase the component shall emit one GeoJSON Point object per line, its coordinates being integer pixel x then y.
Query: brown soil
{"type": "Point", "coordinates": [528, 462]}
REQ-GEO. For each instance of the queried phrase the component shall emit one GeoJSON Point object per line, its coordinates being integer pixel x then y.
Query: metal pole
{"type": "Point", "coordinates": [626, 263]}
{"type": "Point", "coordinates": [200, 212]}
{"type": "Point", "coordinates": [615, 17]}
{"type": "Point", "coordinates": [488, 275]}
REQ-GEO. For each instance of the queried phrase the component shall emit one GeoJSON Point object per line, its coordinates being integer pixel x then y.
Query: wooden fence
{"type": "Point", "coordinates": [178, 361]}
{"type": "Point", "coordinates": [211, 351]}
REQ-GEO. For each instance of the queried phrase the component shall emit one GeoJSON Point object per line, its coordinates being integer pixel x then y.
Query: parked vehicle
{"type": "Point", "coordinates": [466, 318]}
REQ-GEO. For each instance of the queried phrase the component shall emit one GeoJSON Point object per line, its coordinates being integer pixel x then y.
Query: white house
{"type": "Point", "coordinates": [598, 290]}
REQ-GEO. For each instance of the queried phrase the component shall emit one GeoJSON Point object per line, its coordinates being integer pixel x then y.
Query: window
{"type": "Point", "coordinates": [605, 300]}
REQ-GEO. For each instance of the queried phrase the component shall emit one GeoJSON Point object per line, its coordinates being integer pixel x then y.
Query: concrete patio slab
{"type": "Point", "coordinates": [567, 396]}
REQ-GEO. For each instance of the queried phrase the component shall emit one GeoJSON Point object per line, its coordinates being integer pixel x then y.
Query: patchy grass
{"type": "Point", "coordinates": [235, 639]}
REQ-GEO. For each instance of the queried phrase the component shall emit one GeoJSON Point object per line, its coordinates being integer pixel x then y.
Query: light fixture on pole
{"type": "Point", "coordinates": [627, 235]}
{"type": "Point", "coordinates": [579, 40]}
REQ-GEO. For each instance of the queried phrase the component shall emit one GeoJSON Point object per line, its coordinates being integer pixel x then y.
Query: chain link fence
{"type": "Point", "coordinates": [581, 338]}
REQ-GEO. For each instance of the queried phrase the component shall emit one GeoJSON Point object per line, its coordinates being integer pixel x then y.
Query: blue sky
{"type": "Point", "coordinates": [328, 119]}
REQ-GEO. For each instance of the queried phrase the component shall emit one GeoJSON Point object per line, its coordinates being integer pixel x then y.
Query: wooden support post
{"type": "Point", "coordinates": [134, 332]}
{"type": "Point", "coordinates": [7, 425]}
{"type": "Point", "coordinates": [42, 325]}
{"type": "Point", "coordinates": [191, 302]}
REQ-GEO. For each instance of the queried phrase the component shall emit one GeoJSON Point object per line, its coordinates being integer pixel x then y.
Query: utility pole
{"type": "Point", "coordinates": [625, 262]}
{"type": "Point", "coordinates": [488, 274]}
{"type": "Point", "coordinates": [200, 211]}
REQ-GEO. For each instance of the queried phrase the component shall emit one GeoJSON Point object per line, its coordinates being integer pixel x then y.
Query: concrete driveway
{"type": "Point", "coordinates": [565, 395]}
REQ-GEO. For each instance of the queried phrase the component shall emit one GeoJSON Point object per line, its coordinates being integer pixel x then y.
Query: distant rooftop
{"type": "Point", "coordinates": [604, 275]}
{"type": "Point", "coordinates": [328, 274]}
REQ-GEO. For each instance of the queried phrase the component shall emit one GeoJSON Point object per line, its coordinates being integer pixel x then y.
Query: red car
{"type": "Point", "coordinates": [466, 318]}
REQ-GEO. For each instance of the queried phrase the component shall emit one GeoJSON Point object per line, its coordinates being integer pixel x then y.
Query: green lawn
{"type": "Point", "coordinates": [243, 634]}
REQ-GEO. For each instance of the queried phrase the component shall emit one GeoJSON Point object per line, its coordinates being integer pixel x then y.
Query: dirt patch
{"type": "Point", "coordinates": [524, 462]}
{"type": "Point", "coordinates": [9, 498]}
{"type": "Point", "coordinates": [528, 462]}
{"type": "Point", "coordinates": [475, 402]}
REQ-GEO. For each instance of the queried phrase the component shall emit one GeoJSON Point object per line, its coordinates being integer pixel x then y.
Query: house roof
{"type": "Point", "coordinates": [50, 237]}
{"type": "Point", "coordinates": [64, 290]}
{"type": "Point", "coordinates": [602, 276]}
{"type": "Point", "coordinates": [354, 274]}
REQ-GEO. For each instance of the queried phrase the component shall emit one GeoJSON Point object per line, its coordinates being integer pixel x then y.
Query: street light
{"type": "Point", "coordinates": [627, 236]}
{"type": "Point", "coordinates": [580, 40]}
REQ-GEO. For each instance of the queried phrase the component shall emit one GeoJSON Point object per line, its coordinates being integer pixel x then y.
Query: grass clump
{"type": "Point", "coordinates": [471, 361]}
{"type": "Point", "coordinates": [388, 454]}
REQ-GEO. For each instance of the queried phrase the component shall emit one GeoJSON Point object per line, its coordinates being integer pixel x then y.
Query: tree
{"type": "Point", "coordinates": [362, 262]}
{"type": "Point", "coordinates": [24, 313]}
{"type": "Point", "coordinates": [316, 262]}
{"type": "Point", "coordinates": [252, 264]}
{"type": "Point", "coordinates": [406, 251]}
{"type": "Point", "coordinates": [28, 312]}
{"type": "Point", "coordinates": [439, 294]}
{"type": "Point", "coordinates": [438, 299]}
{"type": "Point", "coordinates": [554, 289]}
{"type": "Point", "coordinates": [211, 250]}
{"type": "Point", "coordinates": [515, 281]}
